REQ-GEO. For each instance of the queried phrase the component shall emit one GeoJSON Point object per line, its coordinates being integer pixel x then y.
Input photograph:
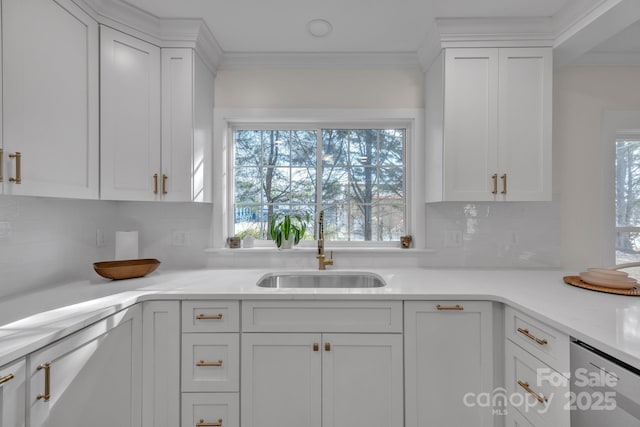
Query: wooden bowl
{"type": "Point", "coordinates": [127, 269]}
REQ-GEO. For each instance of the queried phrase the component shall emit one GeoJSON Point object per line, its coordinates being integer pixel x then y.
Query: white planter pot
{"type": "Point", "coordinates": [287, 244]}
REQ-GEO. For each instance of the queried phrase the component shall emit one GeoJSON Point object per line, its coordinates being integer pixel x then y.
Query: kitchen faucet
{"type": "Point", "coordinates": [322, 261]}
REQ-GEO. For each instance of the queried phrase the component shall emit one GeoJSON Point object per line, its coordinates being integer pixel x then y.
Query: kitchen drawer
{"type": "Point", "coordinates": [210, 362]}
{"type": "Point", "coordinates": [210, 316]}
{"type": "Point", "coordinates": [210, 409]}
{"type": "Point", "coordinates": [544, 342]}
{"type": "Point", "coordinates": [322, 316]}
{"type": "Point", "coordinates": [536, 390]}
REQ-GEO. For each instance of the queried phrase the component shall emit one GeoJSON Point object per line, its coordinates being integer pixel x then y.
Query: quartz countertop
{"type": "Point", "coordinates": [608, 322]}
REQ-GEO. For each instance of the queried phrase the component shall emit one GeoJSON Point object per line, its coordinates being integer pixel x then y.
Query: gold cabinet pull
{"type": "Point", "coordinates": [539, 398]}
{"type": "Point", "coordinates": [316, 346]}
{"type": "Point", "coordinates": [164, 183]}
{"type": "Point", "coordinates": [18, 157]}
{"type": "Point", "coordinates": [504, 183]}
{"type": "Point", "coordinates": [155, 183]}
{"type": "Point", "coordinates": [6, 379]}
{"type": "Point", "coordinates": [526, 333]}
{"type": "Point", "coordinates": [1, 164]}
{"type": "Point", "coordinates": [47, 381]}
{"type": "Point", "coordinates": [203, 363]}
{"type": "Point", "coordinates": [209, 317]}
{"type": "Point", "coordinates": [327, 346]}
{"type": "Point", "coordinates": [456, 307]}
{"type": "Point", "coordinates": [494, 177]}
{"type": "Point", "coordinates": [201, 423]}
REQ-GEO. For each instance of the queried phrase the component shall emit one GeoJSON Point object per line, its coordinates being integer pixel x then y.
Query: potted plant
{"type": "Point", "coordinates": [287, 229]}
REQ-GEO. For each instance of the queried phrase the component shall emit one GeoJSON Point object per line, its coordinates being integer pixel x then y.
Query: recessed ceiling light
{"type": "Point", "coordinates": [319, 27]}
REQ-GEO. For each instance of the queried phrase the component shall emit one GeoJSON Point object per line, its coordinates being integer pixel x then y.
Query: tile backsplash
{"type": "Point", "coordinates": [45, 241]}
{"type": "Point", "coordinates": [494, 235]}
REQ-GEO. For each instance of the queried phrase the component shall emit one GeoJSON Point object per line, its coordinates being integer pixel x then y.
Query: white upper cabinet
{"type": "Point", "coordinates": [489, 125]}
{"type": "Point", "coordinates": [49, 99]}
{"type": "Point", "coordinates": [187, 122]}
{"type": "Point", "coordinates": [156, 127]}
{"type": "Point", "coordinates": [130, 113]}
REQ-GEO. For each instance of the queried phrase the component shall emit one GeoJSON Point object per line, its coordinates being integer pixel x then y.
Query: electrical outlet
{"type": "Point", "coordinates": [452, 238]}
{"type": "Point", "coordinates": [178, 238]}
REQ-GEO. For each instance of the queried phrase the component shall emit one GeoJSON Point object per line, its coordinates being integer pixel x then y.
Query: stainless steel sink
{"type": "Point", "coordinates": [338, 279]}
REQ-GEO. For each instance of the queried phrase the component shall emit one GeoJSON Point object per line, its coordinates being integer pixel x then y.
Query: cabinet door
{"type": "Point", "coordinates": [470, 123]}
{"type": "Point", "coordinates": [177, 124]}
{"type": "Point", "coordinates": [448, 362]}
{"type": "Point", "coordinates": [50, 98]}
{"type": "Point", "coordinates": [362, 380]}
{"type": "Point", "coordinates": [12, 394]}
{"type": "Point", "coordinates": [525, 105]}
{"type": "Point", "coordinates": [161, 367]}
{"type": "Point", "coordinates": [130, 113]}
{"type": "Point", "coordinates": [281, 380]}
{"type": "Point", "coordinates": [92, 376]}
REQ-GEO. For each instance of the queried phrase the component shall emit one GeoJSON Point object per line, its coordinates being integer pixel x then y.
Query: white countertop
{"type": "Point", "coordinates": [608, 322]}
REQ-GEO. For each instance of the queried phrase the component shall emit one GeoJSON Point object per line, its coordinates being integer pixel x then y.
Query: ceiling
{"type": "Point", "coordinates": [389, 26]}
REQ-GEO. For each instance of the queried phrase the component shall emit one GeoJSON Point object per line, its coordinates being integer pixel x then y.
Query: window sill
{"type": "Point", "coordinates": [311, 250]}
{"type": "Point", "coordinates": [344, 257]}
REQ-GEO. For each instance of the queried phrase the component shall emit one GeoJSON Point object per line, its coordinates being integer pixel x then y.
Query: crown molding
{"type": "Point", "coordinates": [478, 31]}
{"type": "Point", "coordinates": [603, 21]}
{"type": "Point", "coordinates": [275, 60]}
{"type": "Point", "coordinates": [162, 32]}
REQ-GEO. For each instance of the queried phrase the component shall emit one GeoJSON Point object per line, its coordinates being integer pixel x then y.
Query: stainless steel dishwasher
{"type": "Point", "coordinates": [605, 392]}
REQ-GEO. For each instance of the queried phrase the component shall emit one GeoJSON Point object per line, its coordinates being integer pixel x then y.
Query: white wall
{"type": "Point", "coordinates": [326, 88]}
{"type": "Point", "coordinates": [582, 95]}
{"type": "Point", "coordinates": [46, 242]}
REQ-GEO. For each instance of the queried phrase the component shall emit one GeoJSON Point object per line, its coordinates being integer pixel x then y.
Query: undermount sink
{"type": "Point", "coordinates": [338, 279]}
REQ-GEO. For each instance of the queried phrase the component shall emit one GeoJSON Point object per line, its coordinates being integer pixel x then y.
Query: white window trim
{"type": "Point", "coordinates": [226, 118]}
{"type": "Point", "coordinates": [615, 123]}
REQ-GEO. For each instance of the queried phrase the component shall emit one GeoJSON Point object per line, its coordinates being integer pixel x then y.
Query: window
{"type": "Point", "coordinates": [627, 202]}
{"type": "Point", "coordinates": [355, 174]}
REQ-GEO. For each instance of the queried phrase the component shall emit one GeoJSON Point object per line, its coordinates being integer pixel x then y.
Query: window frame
{"type": "Point", "coordinates": [622, 135]}
{"type": "Point", "coordinates": [408, 124]}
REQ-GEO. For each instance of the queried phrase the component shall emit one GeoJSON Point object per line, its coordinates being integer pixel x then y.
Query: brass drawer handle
{"type": "Point", "coordinates": [18, 157]}
{"type": "Point", "coordinates": [456, 307]}
{"type": "Point", "coordinates": [203, 363]}
{"type": "Point", "coordinates": [526, 333]}
{"type": "Point", "coordinates": [155, 183]}
{"type": "Point", "coordinates": [494, 177]}
{"type": "Point", "coordinates": [316, 346]}
{"type": "Point", "coordinates": [538, 397]}
{"type": "Point", "coordinates": [164, 183]}
{"type": "Point", "coordinates": [327, 346]}
{"type": "Point", "coordinates": [6, 379]}
{"type": "Point", "coordinates": [208, 317]}
{"type": "Point", "coordinates": [47, 381]}
{"type": "Point", "coordinates": [1, 164]}
{"type": "Point", "coordinates": [504, 183]}
{"type": "Point", "coordinates": [201, 423]}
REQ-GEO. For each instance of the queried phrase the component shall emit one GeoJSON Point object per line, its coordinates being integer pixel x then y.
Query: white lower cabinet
{"type": "Point", "coordinates": [536, 372]}
{"type": "Point", "coordinates": [448, 363]}
{"type": "Point", "coordinates": [210, 366]}
{"type": "Point", "coordinates": [12, 394]}
{"type": "Point", "coordinates": [161, 367]}
{"type": "Point", "coordinates": [92, 377]}
{"type": "Point", "coordinates": [321, 380]}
